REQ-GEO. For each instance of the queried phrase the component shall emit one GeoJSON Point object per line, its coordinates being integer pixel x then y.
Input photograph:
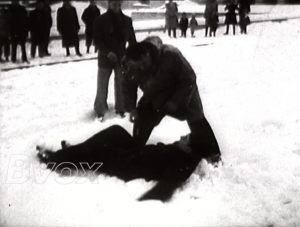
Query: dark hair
{"type": "Point", "coordinates": [136, 51]}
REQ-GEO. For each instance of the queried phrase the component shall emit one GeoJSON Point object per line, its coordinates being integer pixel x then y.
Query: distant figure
{"type": "Point", "coordinates": [183, 24]}
{"type": "Point", "coordinates": [244, 21]}
{"type": "Point", "coordinates": [193, 25]}
{"type": "Point", "coordinates": [38, 29]}
{"type": "Point", "coordinates": [4, 34]}
{"type": "Point", "coordinates": [230, 18]}
{"type": "Point", "coordinates": [68, 27]}
{"type": "Point", "coordinates": [211, 17]}
{"type": "Point", "coordinates": [244, 10]}
{"type": "Point", "coordinates": [49, 24]}
{"type": "Point", "coordinates": [19, 29]}
{"type": "Point", "coordinates": [112, 31]}
{"type": "Point", "coordinates": [171, 17]}
{"type": "Point", "coordinates": [88, 17]}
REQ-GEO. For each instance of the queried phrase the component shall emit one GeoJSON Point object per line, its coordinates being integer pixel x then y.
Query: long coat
{"type": "Point", "coordinates": [231, 15]}
{"type": "Point", "coordinates": [172, 80]}
{"type": "Point", "coordinates": [171, 15]}
{"type": "Point", "coordinates": [4, 24]}
{"type": "Point", "coordinates": [184, 23]}
{"type": "Point", "coordinates": [68, 25]}
{"type": "Point", "coordinates": [211, 13]}
{"type": "Point", "coordinates": [88, 17]}
{"type": "Point", "coordinates": [38, 25]}
{"type": "Point", "coordinates": [111, 33]}
{"type": "Point", "coordinates": [19, 23]}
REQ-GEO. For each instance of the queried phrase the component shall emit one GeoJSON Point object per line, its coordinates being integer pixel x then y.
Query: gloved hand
{"type": "Point", "coordinates": [133, 116]}
{"type": "Point", "coordinates": [113, 58]}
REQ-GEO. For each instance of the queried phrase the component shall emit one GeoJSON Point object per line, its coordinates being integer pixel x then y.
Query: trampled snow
{"type": "Point", "coordinates": [250, 88]}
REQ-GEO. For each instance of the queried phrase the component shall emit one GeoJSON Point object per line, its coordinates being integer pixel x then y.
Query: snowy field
{"type": "Point", "coordinates": [250, 87]}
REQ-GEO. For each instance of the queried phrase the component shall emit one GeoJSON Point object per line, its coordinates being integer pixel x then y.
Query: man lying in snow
{"type": "Point", "coordinates": [169, 87]}
{"type": "Point", "coordinates": [169, 164]}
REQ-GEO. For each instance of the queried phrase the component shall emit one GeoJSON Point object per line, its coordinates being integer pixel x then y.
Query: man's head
{"type": "Point", "coordinates": [92, 2]}
{"type": "Point", "coordinates": [115, 5]}
{"type": "Point", "coordinates": [139, 59]}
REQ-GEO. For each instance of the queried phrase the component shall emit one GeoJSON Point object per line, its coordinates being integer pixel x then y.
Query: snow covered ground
{"type": "Point", "coordinates": [249, 85]}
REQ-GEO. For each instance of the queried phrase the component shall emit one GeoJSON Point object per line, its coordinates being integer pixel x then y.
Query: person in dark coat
{"type": "Point", "coordinates": [193, 25]}
{"type": "Point", "coordinates": [38, 29]}
{"type": "Point", "coordinates": [171, 17]}
{"type": "Point", "coordinates": [230, 18]}
{"type": "Point", "coordinates": [183, 24]}
{"type": "Point", "coordinates": [49, 23]}
{"type": "Point", "coordinates": [88, 17]}
{"type": "Point", "coordinates": [4, 33]}
{"type": "Point", "coordinates": [19, 29]}
{"type": "Point", "coordinates": [244, 10]}
{"type": "Point", "coordinates": [169, 88]}
{"type": "Point", "coordinates": [169, 164]}
{"type": "Point", "coordinates": [211, 17]}
{"type": "Point", "coordinates": [112, 31]}
{"type": "Point", "coordinates": [68, 26]}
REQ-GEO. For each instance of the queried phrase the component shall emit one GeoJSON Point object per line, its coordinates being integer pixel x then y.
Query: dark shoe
{"type": "Point", "coordinates": [121, 113]}
{"type": "Point", "coordinates": [79, 54]}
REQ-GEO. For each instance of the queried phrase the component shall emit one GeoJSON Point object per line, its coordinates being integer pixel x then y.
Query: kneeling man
{"type": "Point", "coordinates": [169, 88]}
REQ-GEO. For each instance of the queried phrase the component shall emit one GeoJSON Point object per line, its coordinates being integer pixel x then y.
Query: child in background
{"type": "Point", "coordinates": [193, 25]}
{"type": "Point", "coordinates": [183, 24]}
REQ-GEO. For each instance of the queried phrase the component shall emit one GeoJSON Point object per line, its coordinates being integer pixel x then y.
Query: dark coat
{"type": "Point", "coordinates": [211, 13]}
{"type": "Point", "coordinates": [172, 81]}
{"type": "Point", "coordinates": [171, 15]}
{"type": "Point", "coordinates": [4, 24]}
{"type": "Point", "coordinates": [49, 20]}
{"type": "Point", "coordinates": [184, 23]}
{"type": "Point", "coordinates": [231, 14]}
{"type": "Point", "coordinates": [244, 6]}
{"type": "Point", "coordinates": [19, 23]}
{"type": "Point", "coordinates": [169, 164]}
{"type": "Point", "coordinates": [88, 17]}
{"type": "Point", "coordinates": [68, 25]}
{"type": "Point", "coordinates": [38, 25]}
{"type": "Point", "coordinates": [111, 33]}
{"type": "Point", "coordinates": [193, 23]}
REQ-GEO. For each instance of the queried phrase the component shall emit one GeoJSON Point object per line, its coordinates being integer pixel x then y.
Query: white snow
{"type": "Point", "coordinates": [249, 85]}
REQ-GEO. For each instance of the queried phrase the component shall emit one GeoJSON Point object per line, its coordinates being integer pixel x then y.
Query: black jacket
{"type": "Point", "coordinates": [172, 80]}
{"type": "Point", "coordinates": [19, 22]}
{"type": "Point", "coordinates": [111, 33]}
{"type": "Point", "coordinates": [88, 17]}
{"type": "Point", "coordinates": [68, 25]}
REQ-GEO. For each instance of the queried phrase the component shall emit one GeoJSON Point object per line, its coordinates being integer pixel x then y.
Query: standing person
{"type": "Point", "coordinates": [169, 88]}
{"type": "Point", "coordinates": [230, 18]}
{"type": "Point", "coordinates": [193, 25]}
{"type": "Point", "coordinates": [211, 16]}
{"type": "Point", "coordinates": [171, 17]}
{"type": "Point", "coordinates": [183, 24]}
{"type": "Point", "coordinates": [49, 23]}
{"type": "Point", "coordinates": [19, 29]}
{"type": "Point", "coordinates": [244, 10]}
{"type": "Point", "coordinates": [38, 29]}
{"type": "Point", "coordinates": [4, 34]}
{"type": "Point", "coordinates": [112, 30]}
{"type": "Point", "coordinates": [88, 17]}
{"type": "Point", "coordinates": [68, 27]}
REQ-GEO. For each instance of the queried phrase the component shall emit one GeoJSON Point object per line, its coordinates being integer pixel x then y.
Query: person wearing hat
{"type": "Point", "coordinates": [112, 31]}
